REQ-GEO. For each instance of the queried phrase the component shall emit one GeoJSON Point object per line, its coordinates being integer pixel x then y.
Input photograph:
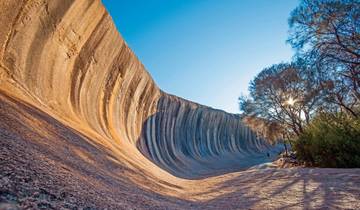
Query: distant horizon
{"type": "Point", "coordinates": [204, 51]}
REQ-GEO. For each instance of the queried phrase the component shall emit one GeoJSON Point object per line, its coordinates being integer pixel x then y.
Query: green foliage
{"type": "Point", "coordinates": [330, 140]}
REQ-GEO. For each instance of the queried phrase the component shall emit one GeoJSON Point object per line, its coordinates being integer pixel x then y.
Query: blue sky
{"type": "Point", "coordinates": [206, 51]}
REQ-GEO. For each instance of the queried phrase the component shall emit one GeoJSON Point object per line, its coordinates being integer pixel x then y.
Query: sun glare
{"type": "Point", "coordinates": [290, 101]}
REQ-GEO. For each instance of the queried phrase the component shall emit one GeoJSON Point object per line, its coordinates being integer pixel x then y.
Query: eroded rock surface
{"type": "Point", "coordinates": [83, 125]}
{"type": "Point", "coordinates": [68, 57]}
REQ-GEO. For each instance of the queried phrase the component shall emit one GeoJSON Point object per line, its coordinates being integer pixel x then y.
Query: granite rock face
{"type": "Point", "coordinates": [191, 140]}
{"type": "Point", "coordinates": [67, 58]}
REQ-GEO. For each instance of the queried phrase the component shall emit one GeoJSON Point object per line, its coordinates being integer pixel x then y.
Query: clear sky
{"type": "Point", "coordinates": [206, 51]}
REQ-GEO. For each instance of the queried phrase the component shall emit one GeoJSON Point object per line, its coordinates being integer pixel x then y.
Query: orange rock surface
{"type": "Point", "coordinates": [83, 125]}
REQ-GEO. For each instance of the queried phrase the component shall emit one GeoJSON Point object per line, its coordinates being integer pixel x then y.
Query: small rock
{"type": "Point", "coordinates": [44, 205]}
{"type": "Point", "coordinates": [8, 206]}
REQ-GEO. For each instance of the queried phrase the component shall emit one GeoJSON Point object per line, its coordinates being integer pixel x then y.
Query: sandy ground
{"type": "Point", "coordinates": [47, 165]}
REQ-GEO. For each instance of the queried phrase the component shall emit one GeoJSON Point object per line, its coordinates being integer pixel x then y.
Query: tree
{"type": "Point", "coordinates": [327, 32]}
{"type": "Point", "coordinates": [285, 95]}
{"type": "Point", "coordinates": [315, 99]}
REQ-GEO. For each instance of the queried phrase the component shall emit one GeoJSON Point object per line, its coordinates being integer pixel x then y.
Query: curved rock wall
{"type": "Point", "coordinates": [68, 58]}
{"type": "Point", "coordinates": [191, 140]}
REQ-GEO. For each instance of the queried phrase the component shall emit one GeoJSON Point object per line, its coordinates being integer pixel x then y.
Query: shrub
{"type": "Point", "coordinates": [330, 140]}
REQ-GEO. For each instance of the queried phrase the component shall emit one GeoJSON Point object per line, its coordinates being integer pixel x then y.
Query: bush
{"type": "Point", "coordinates": [331, 140]}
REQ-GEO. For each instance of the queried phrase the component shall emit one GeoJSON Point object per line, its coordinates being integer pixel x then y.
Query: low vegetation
{"type": "Point", "coordinates": [330, 140]}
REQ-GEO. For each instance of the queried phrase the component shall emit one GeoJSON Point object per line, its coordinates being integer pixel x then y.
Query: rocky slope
{"type": "Point", "coordinates": [84, 125]}
{"type": "Point", "coordinates": [68, 58]}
